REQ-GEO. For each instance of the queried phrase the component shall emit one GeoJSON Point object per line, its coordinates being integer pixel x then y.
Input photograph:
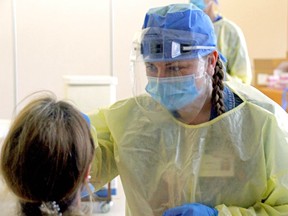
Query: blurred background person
{"type": "Point", "coordinates": [230, 42]}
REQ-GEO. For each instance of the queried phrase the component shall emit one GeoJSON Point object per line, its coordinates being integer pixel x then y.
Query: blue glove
{"type": "Point", "coordinates": [193, 209]}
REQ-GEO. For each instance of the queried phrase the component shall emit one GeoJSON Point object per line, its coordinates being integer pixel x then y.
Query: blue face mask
{"type": "Point", "coordinates": [199, 3]}
{"type": "Point", "coordinates": [173, 92]}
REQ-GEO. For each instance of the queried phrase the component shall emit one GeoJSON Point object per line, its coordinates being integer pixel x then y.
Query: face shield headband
{"type": "Point", "coordinates": [172, 45]}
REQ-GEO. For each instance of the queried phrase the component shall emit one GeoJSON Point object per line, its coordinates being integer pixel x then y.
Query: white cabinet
{"type": "Point", "coordinates": [90, 92]}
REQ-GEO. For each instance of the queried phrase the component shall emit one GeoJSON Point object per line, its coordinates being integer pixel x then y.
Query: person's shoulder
{"type": "Point", "coordinates": [254, 97]}
{"type": "Point", "coordinates": [123, 103]}
{"type": "Point", "coordinates": [228, 24]}
{"type": "Point", "coordinates": [246, 92]}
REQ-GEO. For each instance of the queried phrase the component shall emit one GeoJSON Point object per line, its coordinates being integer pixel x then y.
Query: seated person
{"type": "Point", "coordinates": [46, 158]}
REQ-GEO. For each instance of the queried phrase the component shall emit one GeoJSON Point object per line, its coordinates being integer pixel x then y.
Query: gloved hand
{"type": "Point", "coordinates": [192, 209]}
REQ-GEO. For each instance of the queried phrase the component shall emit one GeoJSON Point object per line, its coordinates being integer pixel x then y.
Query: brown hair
{"type": "Point", "coordinates": [46, 154]}
{"type": "Point", "coordinates": [218, 87]}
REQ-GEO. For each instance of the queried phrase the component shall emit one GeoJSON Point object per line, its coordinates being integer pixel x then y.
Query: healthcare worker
{"type": "Point", "coordinates": [230, 42]}
{"type": "Point", "coordinates": [189, 143]}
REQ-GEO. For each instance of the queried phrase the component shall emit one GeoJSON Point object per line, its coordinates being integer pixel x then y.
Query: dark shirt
{"type": "Point", "coordinates": [231, 100]}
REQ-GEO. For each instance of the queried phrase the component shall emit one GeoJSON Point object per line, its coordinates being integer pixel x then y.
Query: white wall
{"type": "Point", "coordinates": [6, 60]}
{"type": "Point", "coordinates": [69, 37]}
{"type": "Point", "coordinates": [54, 38]}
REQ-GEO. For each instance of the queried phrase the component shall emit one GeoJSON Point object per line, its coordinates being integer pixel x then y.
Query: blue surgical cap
{"type": "Point", "coordinates": [177, 31]}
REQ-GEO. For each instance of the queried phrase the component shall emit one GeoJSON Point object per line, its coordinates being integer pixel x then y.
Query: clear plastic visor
{"type": "Point", "coordinates": [158, 45]}
{"type": "Point", "coordinates": [180, 86]}
{"type": "Point", "coordinates": [169, 72]}
{"type": "Point", "coordinates": [163, 80]}
{"type": "Point", "coordinates": [195, 67]}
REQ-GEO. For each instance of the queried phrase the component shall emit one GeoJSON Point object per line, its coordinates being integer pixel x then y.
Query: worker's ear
{"type": "Point", "coordinates": [212, 59]}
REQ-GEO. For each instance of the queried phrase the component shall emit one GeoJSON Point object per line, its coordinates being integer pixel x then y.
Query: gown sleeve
{"type": "Point", "coordinates": [274, 200]}
{"type": "Point", "coordinates": [104, 167]}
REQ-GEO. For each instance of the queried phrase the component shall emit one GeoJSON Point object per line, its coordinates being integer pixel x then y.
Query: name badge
{"type": "Point", "coordinates": [217, 166]}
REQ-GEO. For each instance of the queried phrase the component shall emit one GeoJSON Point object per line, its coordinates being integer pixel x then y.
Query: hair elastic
{"type": "Point", "coordinates": [51, 208]}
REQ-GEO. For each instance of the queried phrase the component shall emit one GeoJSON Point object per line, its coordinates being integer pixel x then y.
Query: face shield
{"type": "Point", "coordinates": [169, 70]}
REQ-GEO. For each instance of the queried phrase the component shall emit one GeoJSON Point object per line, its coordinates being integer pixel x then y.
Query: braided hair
{"type": "Point", "coordinates": [218, 87]}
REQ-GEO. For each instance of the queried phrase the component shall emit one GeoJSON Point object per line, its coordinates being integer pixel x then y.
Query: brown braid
{"type": "Point", "coordinates": [218, 87]}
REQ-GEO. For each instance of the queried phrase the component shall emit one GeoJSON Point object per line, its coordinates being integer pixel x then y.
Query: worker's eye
{"type": "Point", "coordinates": [174, 68]}
{"type": "Point", "coordinates": [150, 68]}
